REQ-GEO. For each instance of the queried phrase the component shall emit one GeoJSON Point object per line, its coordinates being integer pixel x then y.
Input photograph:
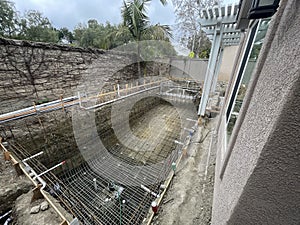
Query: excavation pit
{"type": "Point", "coordinates": [117, 156]}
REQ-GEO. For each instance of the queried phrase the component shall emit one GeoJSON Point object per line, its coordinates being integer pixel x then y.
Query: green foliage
{"type": "Point", "coordinates": [104, 36]}
{"type": "Point", "coordinates": [65, 34]}
{"type": "Point", "coordinates": [199, 44]}
{"type": "Point", "coordinates": [136, 26]}
{"type": "Point", "coordinates": [8, 19]}
{"type": "Point", "coordinates": [255, 51]}
{"type": "Point", "coordinates": [36, 27]}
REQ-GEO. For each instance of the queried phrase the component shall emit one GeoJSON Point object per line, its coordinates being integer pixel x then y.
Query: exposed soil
{"type": "Point", "coordinates": [16, 194]}
{"type": "Point", "coordinates": [11, 185]}
{"type": "Point", "coordinates": [189, 198]}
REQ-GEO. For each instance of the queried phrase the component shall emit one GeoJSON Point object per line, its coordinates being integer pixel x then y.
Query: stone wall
{"type": "Point", "coordinates": [43, 72]}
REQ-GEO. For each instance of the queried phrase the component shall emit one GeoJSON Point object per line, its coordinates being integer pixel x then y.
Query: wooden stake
{"type": "Point", "coordinates": [34, 106]}
{"type": "Point", "coordinates": [37, 193]}
{"type": "Point", "coordinates": [18, 168]}
{"type": "Point", "coordinates": [62, 103]}
{"type": "Point", "coordinates": [64, 223]}
{"type": "Point", "coordinates": [6, 155]}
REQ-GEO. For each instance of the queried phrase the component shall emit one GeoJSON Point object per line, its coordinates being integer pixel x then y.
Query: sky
{"type": "Point", "coordinates": [68, 13]}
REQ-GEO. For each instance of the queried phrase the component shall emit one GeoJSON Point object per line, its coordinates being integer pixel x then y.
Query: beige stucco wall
{"type": "Point", "coordinates": [261, 180]}
{"type": "Point", "coordinates": [227, 62]}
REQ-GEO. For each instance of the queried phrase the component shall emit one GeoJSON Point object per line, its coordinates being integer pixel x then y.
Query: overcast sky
{"type": "Point", "coordinates": [68, 13]}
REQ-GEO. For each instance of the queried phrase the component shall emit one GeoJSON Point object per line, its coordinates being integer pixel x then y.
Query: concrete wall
{"type": "Point", "coordinates": [229, 55]}
{"type": "Point", "coordinates": [261, 181]}
{"type": "Point", "coordinates": [196, 68]}
{"type": "Point", "coordinates": [188, 68]}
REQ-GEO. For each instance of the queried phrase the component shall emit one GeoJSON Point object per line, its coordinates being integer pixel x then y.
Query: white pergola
{"type": "Point", "coordinates": [219, 25]}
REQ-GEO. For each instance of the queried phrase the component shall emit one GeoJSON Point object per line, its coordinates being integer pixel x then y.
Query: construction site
{"type": "Point", "coordinates": [105, 156]}
{"type": "Point", "coordinates": [90, 136]}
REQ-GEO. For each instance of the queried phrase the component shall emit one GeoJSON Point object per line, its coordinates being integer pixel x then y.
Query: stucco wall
{"type": "Point", "coordinates": [261, 181]}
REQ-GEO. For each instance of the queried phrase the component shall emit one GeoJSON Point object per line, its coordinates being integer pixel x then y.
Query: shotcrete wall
{"type": "Point", "coordinates": [53, 132]}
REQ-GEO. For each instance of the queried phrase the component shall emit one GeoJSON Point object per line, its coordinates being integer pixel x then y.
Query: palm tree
{"type": "Point", "coordinates": [135, 18]}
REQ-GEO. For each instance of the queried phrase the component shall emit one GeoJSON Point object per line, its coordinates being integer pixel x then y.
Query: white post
{"type": "Point", "coordinates": [95, 184]}
{"type": "Point", "coordinates": [118, 88]}
{"type": "Point", "coordinates": [217, 69]}
{"type": "Point", "coordinates": [79, 99]}
{"type": "Point", "coordinates": [211, 68]}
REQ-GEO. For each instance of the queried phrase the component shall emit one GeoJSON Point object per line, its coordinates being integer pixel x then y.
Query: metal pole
{"type": "Point", "coordinates": [217, 69]}
{"type": "Point", "coordinates": [211, 68]}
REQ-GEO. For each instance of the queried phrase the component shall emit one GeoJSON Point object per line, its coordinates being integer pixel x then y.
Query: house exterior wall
{"type": "Point", "coordinates": [261, 180]}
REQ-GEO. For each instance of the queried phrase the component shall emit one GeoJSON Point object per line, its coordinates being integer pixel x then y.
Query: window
{"type": "Point", "coordinates": [248, 62]}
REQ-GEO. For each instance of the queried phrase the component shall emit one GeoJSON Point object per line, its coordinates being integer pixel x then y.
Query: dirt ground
{"type": "Point", "coordinates": [189, 198]}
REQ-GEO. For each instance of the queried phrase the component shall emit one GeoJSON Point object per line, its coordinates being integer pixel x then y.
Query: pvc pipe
{"type": "Point", "coordinates": [6, 214]}
{"type": "Point", "coordinates": [95, 184]}
{"type": "Point", "coordinates": [33, 156]}
{"type": "Point", "coordinates": [149, 191]}
{"type": "Point", "coordinates": [188, 119]}
{"type": "Point", "coordinates": [188, 129]}
{"type": "Point", "coordinates": [178, 142]}
{"type": "Point", "coordinates": [52, 168]}
{"type": "Point", "coordinates": [7, 221]}
{"type": "Point", "coordinates": [114, 100]}
{"type": "Point", "coordinates": [35, 174]}
{"type": "Point", "coordinates": [118, 88]}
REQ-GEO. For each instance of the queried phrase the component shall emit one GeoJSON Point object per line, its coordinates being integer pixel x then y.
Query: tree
{"type": "Point", "coordinates": [201, 48]}
{"type": "Point", "coordinates": [189, 29]}
{"type": "Point", "coordinates": [8, 19]}
{"type": "Point", "coordinates": [35, 27]}
{"type": "Point", "coordinates": [65, 35]}
{"type": "Point", "coordinates": [135, 18]}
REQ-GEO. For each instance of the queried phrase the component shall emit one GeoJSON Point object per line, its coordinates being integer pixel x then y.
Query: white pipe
{"type": "Point", "coordinates": [33, 156]}
{"type": "Point", "coordinates": [7, 221]}
{"type": "Point", "coordinates": [52, 168]}
{"type": "Point", "coordinates": [207, 162]}
{"type": "Point", "coordinates": [188, 129]}
{"type": "Point", "coordinates": [117, 99]}
{"type": "Point", "coordinates": [6, 214]}
{"type": "Point", "coordinates": [188, 119]}
{"type": "Point", "coordinates": [149, 191]}
{"type": "Point", "coordinates": [95, 184]}
{"type": "Point", "coordinates": [38, 108]}
{"type": "Point", "coordinates": [178, 142]}
{"type": "Point", "coordinates": [35, 174]}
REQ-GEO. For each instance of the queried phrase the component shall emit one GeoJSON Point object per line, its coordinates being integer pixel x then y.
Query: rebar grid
{"type": "Point", "coordinates": [119, 162]}
{"type": "Point", "coordinates": [130, 177]}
